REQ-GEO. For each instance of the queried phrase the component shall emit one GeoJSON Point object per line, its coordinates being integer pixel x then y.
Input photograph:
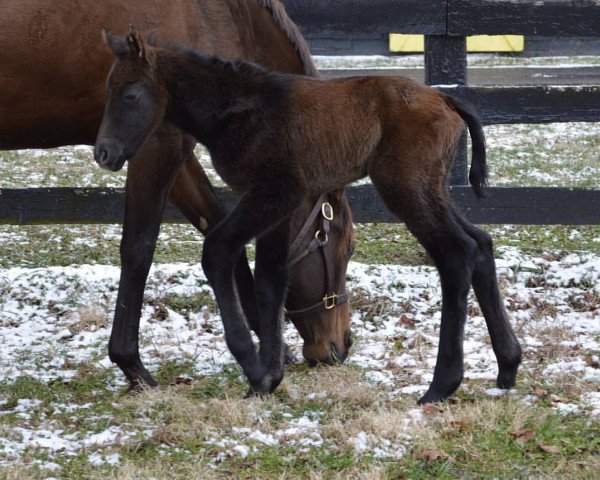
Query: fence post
{"type": "Point", "coordinates": [446, 64]}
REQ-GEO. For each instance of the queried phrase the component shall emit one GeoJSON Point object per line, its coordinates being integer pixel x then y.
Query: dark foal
{"type": "Point", "coordinates": [276, 139]}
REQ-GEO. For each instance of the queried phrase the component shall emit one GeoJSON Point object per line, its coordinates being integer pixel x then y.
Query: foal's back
{"type": "Point", "coordinates": [338, 127]}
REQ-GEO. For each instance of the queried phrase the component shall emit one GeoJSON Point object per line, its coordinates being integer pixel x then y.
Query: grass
{"type": "Point", "coordinates": [393, 244]}
{"type": "Point", "coordinates": [474, 437]}
{"type": "Point", "coordinates": [491, 439]}
{"type": "Point", "coordinates": [43, 246]}
{"type": "Point", "coordinates": [559, 154]}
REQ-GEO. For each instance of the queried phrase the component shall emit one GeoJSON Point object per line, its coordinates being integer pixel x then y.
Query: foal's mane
{"type": "Point", "coordinates": [251, 71]}
{"type": "Point", "coordinates": [282, 19]}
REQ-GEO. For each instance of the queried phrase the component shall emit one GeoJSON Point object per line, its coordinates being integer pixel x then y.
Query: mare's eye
{"type": "Point", "coordinates": [131, 96]}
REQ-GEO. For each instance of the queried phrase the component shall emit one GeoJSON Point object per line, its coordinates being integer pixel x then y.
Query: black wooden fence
{"type": "Point", "coordinates": [446, 23]}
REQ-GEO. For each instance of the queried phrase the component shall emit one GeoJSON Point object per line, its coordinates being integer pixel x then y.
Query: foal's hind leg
{"type": "Point", "coordinates": [430, 218]}
{"type": "Point", "coordinates": [485, 283]}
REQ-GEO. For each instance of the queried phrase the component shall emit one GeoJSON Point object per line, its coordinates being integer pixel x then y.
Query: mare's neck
{"type": "Point", "coordinates": [207, 94]}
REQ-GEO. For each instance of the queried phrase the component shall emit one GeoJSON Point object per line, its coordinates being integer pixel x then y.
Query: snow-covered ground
{"type": "Point", "coordinates": [45, 333]}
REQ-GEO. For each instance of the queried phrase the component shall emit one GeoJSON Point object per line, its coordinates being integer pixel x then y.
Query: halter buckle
{"type": "Point", "coordinates": [330, 301]}
{"type": "Point", "coordinates": [321, 237]}
{"type": "Point", "coordinates": [327, 211]}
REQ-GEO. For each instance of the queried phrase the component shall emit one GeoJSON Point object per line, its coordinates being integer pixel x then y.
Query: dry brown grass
{"type": "Point", "coordinates": [161, 470]}
{"type": "Point", "coordinates": [481, 417]}
{"type": "Point", "coordinates": [378, 424]}
{"type": "Point", "coordinates": [351, 473]}
{"type": "Point", "coordinates": [90, 318]}
{"type": "Point", "coordinates": [339, 385]}
{"type": "Point", "coordinates": [17, 471]}
{"type": "Point", "coordinates": [184, 419]}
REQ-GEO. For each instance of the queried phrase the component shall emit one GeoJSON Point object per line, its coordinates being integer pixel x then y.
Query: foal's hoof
{"type": "Point", "coordinates": [139, 386]}
{"type": "Point", "coordinates": [264, 387]}
{"type": "Point", "coordinates": [435, 395]}
{"type": "Point", "coordinates": [432, 397]}
{"type": "Point", "coordinates": [507, 379]}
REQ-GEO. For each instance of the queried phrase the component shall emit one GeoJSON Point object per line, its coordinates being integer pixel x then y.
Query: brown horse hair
{"type": "Point", "coordinates": [283, 21]}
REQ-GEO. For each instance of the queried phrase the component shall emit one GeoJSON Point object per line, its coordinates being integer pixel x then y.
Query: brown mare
{"type": "Point", "coordinates": [277, 139]}
{"type": "Point", "coordinates": [52, 91]}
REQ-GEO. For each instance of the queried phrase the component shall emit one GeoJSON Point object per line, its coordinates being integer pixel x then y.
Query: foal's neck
{"type": "Point", "coordinates": [208, 94]}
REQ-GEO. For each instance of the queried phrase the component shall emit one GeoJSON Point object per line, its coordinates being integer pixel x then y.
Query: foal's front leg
{"type": "Point", "coordinates": [193, 195]}
{"type": "Point", "coordinates": [270, 283]}
{"type": "Point", "coordinates": [149, 178]}
{"type": "Point", "coordinates": [264, 217]}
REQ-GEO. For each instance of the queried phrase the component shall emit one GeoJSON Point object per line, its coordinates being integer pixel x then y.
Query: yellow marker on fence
{"type": "Point", "coordinates": [477, 43]}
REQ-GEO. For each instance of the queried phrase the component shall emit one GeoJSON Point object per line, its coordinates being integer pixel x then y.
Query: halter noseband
{"type": "Point", "coordinates": [331, 299]}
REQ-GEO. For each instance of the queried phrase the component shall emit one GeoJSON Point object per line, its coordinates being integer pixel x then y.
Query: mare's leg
{"type": "Point", "coordinates": [149, 177]}
{"type": "Point", "coordinates": [254, 216]}
{"type": "Point", "coordinates": [430, 218]}
{"type": "Point", "coordinates": [485, 283]}
{"type": "Point", "coordinates": [193, 195]}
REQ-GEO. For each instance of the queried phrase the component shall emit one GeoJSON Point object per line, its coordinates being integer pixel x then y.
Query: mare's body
{"type": "Point", "coordinates": [52, 92]}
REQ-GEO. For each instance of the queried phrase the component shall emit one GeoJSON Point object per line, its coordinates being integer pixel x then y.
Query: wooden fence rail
{"type": "Point", "coordinates": [447, 17]}
{"type": "Point", "coordinates": [529, 206]}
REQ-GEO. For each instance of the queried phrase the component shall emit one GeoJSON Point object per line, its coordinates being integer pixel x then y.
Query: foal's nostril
{"type": "Point", "coordinates": [100, 155]}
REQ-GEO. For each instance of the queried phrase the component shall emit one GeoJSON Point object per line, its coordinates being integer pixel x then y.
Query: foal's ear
{"type": "Point", "coordinates": [117, 44]}
{"type": "Point", "coordinates": [137, 44]}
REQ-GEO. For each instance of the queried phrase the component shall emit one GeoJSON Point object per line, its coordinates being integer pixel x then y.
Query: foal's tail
{"type": "Point", "coordinates": [478, 173]}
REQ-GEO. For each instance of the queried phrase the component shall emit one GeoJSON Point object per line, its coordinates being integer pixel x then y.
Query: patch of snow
{"type": "Point", "coordinates": [495, 392]}
{"type": "Point", "coordinates": [98, 459]}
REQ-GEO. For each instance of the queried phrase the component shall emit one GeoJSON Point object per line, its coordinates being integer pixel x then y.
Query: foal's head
{"type": "Point", "coordinates": [317, 301]}
{"type": "Point", "coordinates": [136, 102]}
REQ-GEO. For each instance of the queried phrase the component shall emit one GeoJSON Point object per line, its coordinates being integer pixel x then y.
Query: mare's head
{"type": "Point", "coordinates": [322, 242]}
{"type": "Point", "coordinates": [136, 102]}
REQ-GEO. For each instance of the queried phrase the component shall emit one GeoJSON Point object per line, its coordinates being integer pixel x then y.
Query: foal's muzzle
{"type": "Point", "coordinates": [109, 156]}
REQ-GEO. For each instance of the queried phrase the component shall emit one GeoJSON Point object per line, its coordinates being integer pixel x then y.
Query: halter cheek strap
{"type": "Point", "coordinates": [321, 237]}
{"type": "Point", "coordinates": [320, 240]}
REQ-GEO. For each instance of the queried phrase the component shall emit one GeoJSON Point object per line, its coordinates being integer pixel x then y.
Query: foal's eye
{"type": "Point", "coordinates": [131, 96]}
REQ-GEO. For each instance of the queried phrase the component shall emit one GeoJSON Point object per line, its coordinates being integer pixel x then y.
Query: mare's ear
{"type": "Point", "coordinates": [137, 44]}
{"type": "Point", "coordinates": [117, 44]}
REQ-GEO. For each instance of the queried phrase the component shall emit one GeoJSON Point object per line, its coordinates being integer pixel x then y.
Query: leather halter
{"type": "Point", "coordinates": [323, 211]}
